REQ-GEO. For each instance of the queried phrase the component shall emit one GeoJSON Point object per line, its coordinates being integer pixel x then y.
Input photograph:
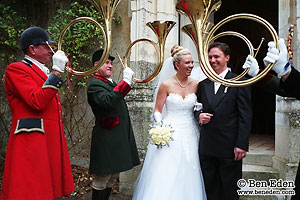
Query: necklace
{"type": "Point", "coordinates": [183, 86]}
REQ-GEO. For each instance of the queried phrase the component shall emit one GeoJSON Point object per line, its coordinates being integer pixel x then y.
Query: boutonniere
{"type": "Point", "coordinates": [198, 106]}
{"type": "Point", "coordinates": [225, 91]}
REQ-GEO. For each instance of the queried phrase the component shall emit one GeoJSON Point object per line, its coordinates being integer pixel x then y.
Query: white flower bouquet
{"type": "Point", "coordinates": [161, 134]}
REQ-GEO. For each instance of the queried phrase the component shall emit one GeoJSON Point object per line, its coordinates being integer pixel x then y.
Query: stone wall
{"type": "Point", "coordinates": [140, 105]}
{"type": "Point", "coordinates": [287, 136]}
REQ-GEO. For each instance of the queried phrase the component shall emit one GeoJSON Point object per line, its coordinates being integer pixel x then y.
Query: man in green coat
{"type": "Point", "coordinates": [113, 147]}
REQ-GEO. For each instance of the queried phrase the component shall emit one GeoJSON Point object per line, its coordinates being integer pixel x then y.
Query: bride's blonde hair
{"type": "Point", "coordinates": [177, 52]}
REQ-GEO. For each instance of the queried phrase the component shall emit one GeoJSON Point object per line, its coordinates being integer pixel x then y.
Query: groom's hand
{"type": "Point", "coordinates": [205, 117]}
{"type": "Point", "coordinates": [239, 153]}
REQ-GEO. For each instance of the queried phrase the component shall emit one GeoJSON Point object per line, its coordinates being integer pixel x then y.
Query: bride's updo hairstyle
{"type": "Point", "coordinates": [177, 52]}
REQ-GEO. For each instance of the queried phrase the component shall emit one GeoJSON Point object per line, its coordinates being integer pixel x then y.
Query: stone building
{"type": "Point", "coordinates": [275, 138]}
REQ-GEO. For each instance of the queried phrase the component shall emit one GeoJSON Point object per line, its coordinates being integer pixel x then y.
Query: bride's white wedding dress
{"type": "Point", "coordinates": [174, 173]}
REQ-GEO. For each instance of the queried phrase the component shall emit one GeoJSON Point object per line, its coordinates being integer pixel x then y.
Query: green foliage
{"type": "Point", "coordinates": [82, 38]}
{"type": "Point", "coordinates": [117, 20]}
{"type": "Point", "coordinates": [82, 84]}
{"type": "Point", "coordinates": [79, 42]}
{"type": "Point", "coordinates": [11, 27]}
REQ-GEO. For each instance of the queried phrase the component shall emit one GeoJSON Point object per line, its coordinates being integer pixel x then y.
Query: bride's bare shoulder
{"type": "Point", "coordinates": [167, 85]}
{"type": "Point", "coordinates": [168, 82]}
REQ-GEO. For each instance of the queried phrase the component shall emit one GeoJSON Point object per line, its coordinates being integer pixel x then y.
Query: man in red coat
{"type": "Point", "coordinates": [37, 164]}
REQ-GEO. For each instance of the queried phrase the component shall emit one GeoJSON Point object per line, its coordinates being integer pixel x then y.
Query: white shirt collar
{"type": "Point", "coordinates": [223, 74]}
{"type": "Point", "coordinates": [40, 65]}
{"type": "Point", "coordinates": [110, 79]}
{"type": "Point", "coordinates": [217, 84]}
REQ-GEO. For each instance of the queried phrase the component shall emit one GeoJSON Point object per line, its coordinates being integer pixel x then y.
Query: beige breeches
{"type": "Point", "coordinates": [103, 181]}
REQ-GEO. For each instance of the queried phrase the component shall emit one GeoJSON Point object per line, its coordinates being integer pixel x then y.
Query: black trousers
{"type": "Point", "coordinates": [220, 177]}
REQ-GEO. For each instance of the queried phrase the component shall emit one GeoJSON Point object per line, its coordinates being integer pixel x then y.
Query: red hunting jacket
{"type": "Point", "coordinates": [37, 164]}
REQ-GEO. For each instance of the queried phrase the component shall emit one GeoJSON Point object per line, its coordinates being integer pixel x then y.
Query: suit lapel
{"type": "Point", "coordinates": [112, 83]}
{"type": "Point", "coordinates": [218, 97]}
{"type": "Point", "coordinates": [35, 68]}
{"type": "Point", "coordinates": [39, 72]}
{"type": "Point", "coordinates": [209, 91]}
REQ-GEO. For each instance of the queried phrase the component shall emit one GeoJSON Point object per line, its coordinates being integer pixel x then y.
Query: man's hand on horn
{"type": "Point", "coordinates": [252, 64]}
{"type": "Point", "coordinates": [280, 58]}
{"type": "Point", "coordinates": [127, 75]}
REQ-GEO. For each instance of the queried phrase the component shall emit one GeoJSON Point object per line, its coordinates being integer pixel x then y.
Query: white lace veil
{"type": "Point", "coordinates": [166, 72]}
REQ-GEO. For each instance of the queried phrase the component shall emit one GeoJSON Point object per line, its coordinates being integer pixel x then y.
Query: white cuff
{"type": "Point", "coordinates": [285, 70]}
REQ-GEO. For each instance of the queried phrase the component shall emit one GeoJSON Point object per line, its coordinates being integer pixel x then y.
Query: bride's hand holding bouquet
{"type": "Point", "coordinates": [160, 134]}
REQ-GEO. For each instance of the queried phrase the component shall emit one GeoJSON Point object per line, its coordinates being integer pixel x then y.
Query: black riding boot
{"type": "Point", "coordinates": [107, 193]}
{"type": "Point", "coordinates": [99, 194]}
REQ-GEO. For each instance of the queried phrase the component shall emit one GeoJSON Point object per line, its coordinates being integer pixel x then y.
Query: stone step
{"type": "Point", "coordinates": [258, 172]}
{"type": "Point", "coordinates": [263, 173]}
{"type": "Point", "coordinates": [262, 158]}
{"type": "Point", "coordinates": [275, 197]}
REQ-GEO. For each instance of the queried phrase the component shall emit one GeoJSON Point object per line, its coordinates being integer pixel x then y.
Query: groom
{"type": "Point", "coordinates": [226, 124]}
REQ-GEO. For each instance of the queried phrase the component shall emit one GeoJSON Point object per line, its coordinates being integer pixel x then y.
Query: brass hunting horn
{"type": "Point", "coordinates": [201, 31]}
{"type": "Point", "coordinates": [161, 30]}
{"type": "Point", "coordinates": [107, 9]}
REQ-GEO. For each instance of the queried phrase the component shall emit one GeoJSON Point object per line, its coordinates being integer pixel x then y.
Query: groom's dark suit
{"type": "Point", "coordinates": [228, 128]}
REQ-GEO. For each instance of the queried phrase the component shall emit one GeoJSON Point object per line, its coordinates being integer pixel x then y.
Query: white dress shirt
{"type": "Point", "coordinates": [222, 75]}
{"type": "Point", "coordinates": [110, 79]}
{"type": "Point", "coordinates": [40, 65]}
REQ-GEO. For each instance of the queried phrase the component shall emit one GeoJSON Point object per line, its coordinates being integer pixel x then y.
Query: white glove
{"type": "Point", "coordinates": [252, 64]}
{"type": "Point", "coordinates": [59, 61]}
{"type": "Point", "coordinates": [157, 117]}
{"type": "Point", "coordinates": [281, 58]}
{"type": "Point", "coordinates": [127, 75]}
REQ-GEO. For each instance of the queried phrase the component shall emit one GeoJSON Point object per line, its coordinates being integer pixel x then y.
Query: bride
{"type": "Point", "coordinates": [174, 173]}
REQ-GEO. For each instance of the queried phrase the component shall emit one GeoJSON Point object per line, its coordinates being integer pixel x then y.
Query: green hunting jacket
{"type": "Point", "coordinates": [113, 147]}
